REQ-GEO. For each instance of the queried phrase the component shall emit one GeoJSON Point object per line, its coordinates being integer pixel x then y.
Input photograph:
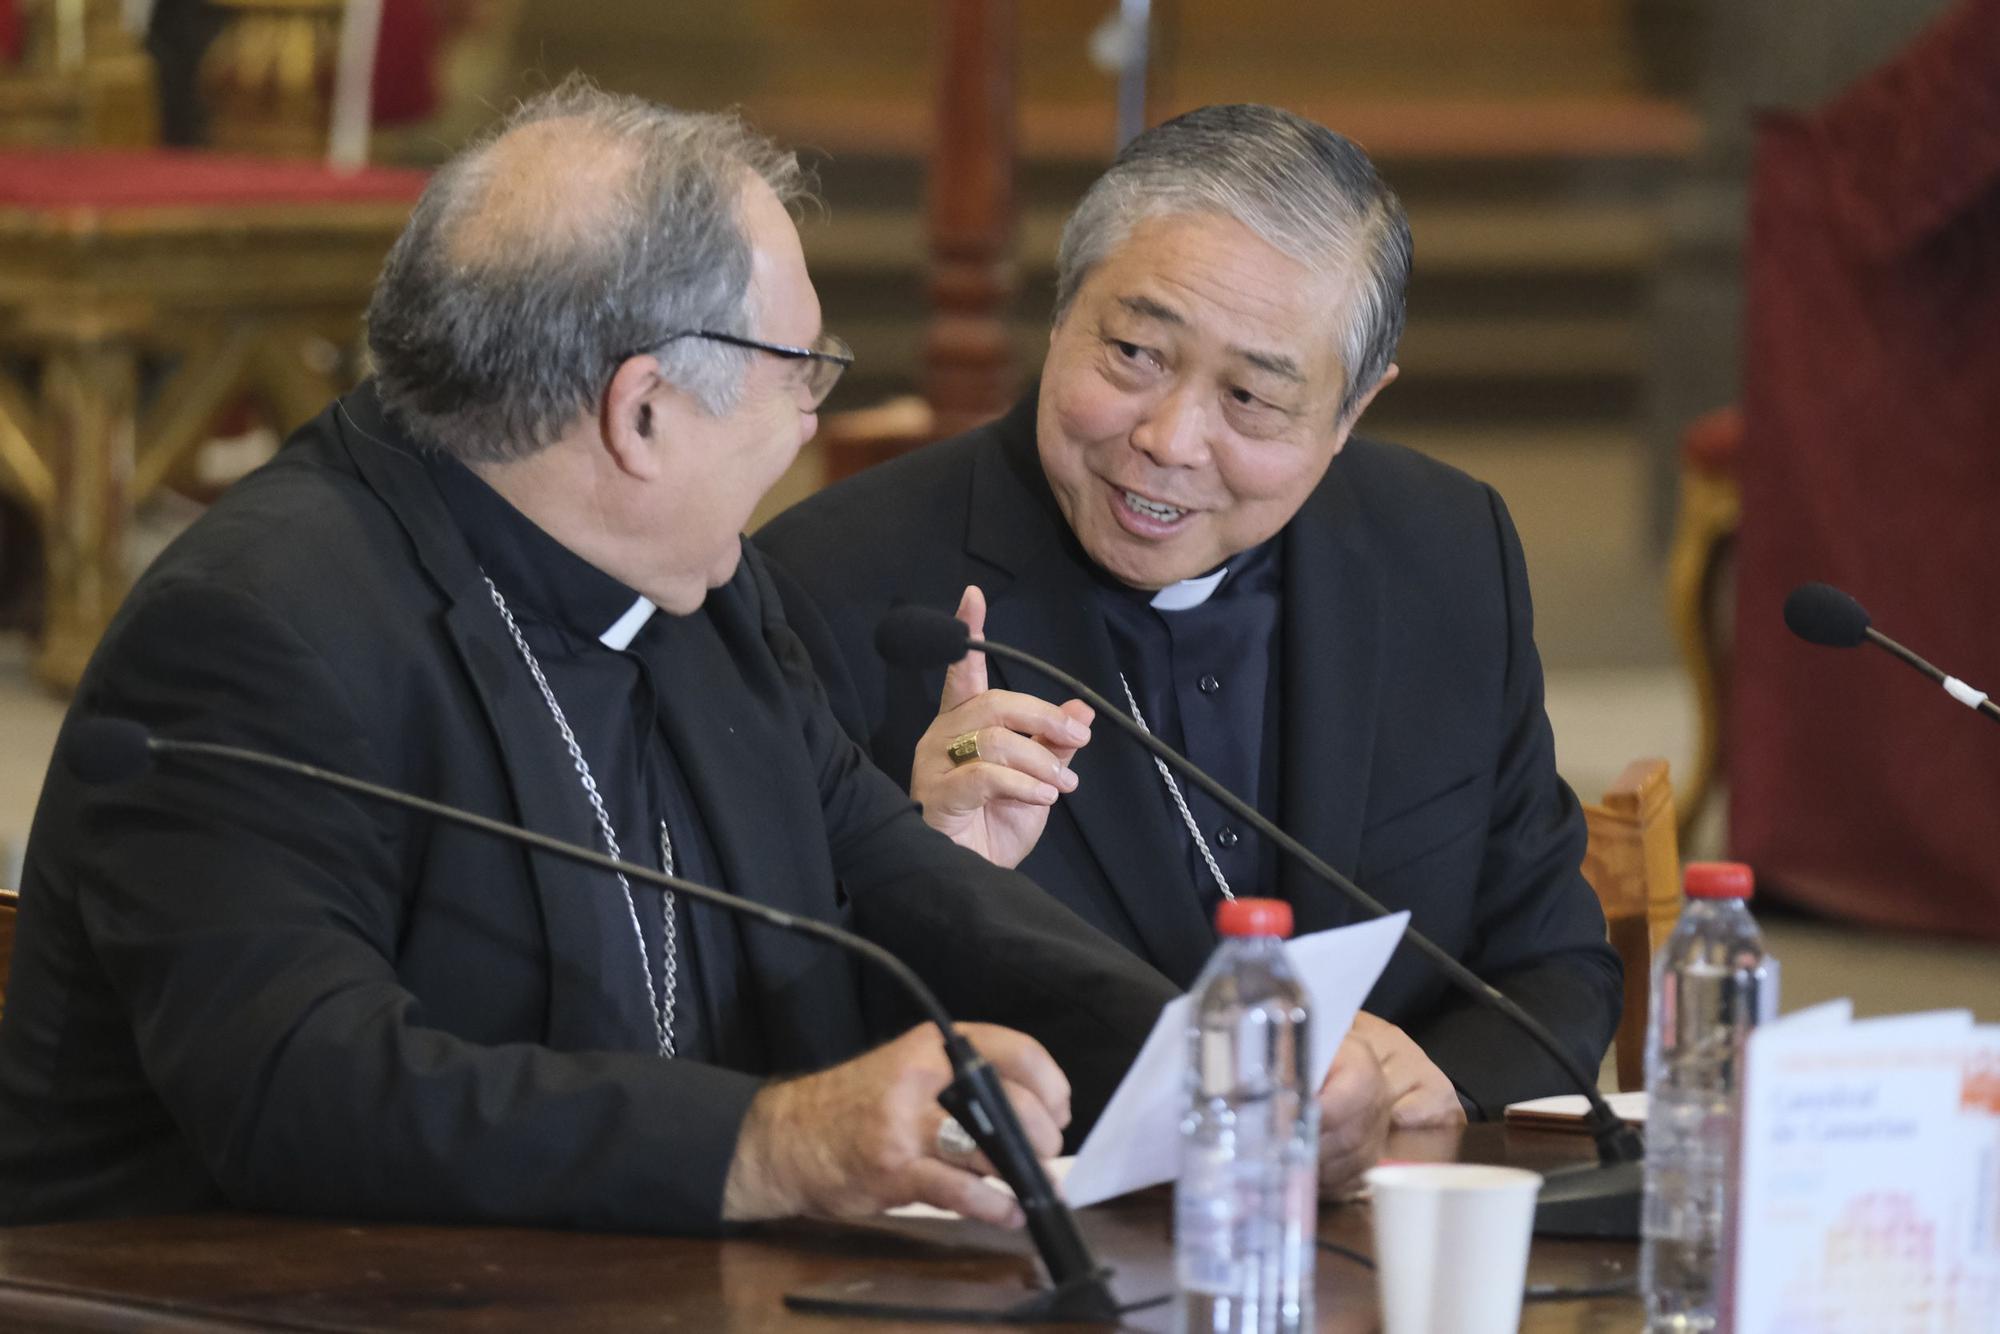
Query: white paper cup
{"type": "Point", "coordinates": [1451, 1246]}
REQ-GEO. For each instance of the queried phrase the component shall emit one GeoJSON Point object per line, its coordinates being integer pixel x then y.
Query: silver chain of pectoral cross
{"type": "Point", "coordinates": [1174, 791]}
{"type": "Point", "coordinates": [660, 999]}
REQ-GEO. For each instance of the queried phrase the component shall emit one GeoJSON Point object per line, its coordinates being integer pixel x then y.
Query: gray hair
{"type": "Point", "coordinates": [1305, 190]}
{"type": "Point", "coordinates": [507, 302]}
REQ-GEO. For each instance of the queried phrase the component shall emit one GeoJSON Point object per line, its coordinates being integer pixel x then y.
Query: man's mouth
{"type": "Point", "coordinates": [1156, 510]}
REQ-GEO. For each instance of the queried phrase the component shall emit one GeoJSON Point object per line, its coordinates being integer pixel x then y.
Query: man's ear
{"type": "Point", "coordinates": [1346, 427]}
{"type": "Point", "coordinates": [629, 424]}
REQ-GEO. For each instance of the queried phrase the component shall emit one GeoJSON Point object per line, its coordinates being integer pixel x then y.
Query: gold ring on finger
{"type": "Point", "coordinates": [964, 748]}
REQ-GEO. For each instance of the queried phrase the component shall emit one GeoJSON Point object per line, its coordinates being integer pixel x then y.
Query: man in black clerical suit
{"type": "Point", "coordinates": [1337, 628]}
{"type": "Point", "coordinates": [508, 575]}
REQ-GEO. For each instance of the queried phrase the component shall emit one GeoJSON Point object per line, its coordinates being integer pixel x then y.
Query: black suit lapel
{"type": "Point", "coordinates": [596, 999]}
{"type": "Point", "coordinates": [1050, 610]}
{"type": "Point", "coordinates": [1331, 677]}
{"type": "Point", "coordinates": [746, 769]}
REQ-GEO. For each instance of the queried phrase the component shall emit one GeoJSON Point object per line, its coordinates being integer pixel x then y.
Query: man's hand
{"type": "Point", "coordinates": [863, 1137]}
{"type": "Point", "coordinates": [1421, 1095]}
{"type": "Point", "coordinates": [998, 804]}
{"type": "Point", "coordinates": [1353, 1116]}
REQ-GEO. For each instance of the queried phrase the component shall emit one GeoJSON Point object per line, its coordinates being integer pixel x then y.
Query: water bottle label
{"type": "Point", "coordinates": [1205, 1259]}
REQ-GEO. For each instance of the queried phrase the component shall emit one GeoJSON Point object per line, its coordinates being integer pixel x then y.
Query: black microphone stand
{"type": "Point", "coordinates": [1976, 700]}
{"type": "Point", "coordinates": [1830, 617]}
{"type": "Point", "coordinates": [1080, 1289]}
{"type": "Point", "coordinates": [1597, 1201]}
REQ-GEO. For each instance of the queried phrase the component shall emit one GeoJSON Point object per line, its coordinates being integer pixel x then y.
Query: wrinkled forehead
{"type": "Point", "coordinates": [1210, 278]}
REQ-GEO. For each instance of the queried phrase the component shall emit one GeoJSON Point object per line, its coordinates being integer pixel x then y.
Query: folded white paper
{"type": "Point", "coordinates": [1057, 1168]}
{"type": "Point", "coordinates": [1630, 1107]}
{"type": "Point", "coordinates": [1137, 1141]}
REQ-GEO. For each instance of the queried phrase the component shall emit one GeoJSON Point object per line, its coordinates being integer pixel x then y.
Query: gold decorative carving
{"type": "Point", "coordinates": [82, 80]}
{"type": "Point", "coordinates": [230, 301]}
{"type": "Point", "coordinates": [267, 79]}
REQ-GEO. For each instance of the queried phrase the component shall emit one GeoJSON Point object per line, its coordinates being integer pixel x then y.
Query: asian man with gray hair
{"type": "Point", "coordinates": [1180, 513]}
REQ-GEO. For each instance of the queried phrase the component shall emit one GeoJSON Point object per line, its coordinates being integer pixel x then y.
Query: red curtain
{"type": "Point", "coordinates": [1872, 461]}
{"type": "Point", "coordinates": [10, 31]}
{"type": "Point", "coordinates": [110, 180]}
{"type": "Point", "coordinates": [406, 57]}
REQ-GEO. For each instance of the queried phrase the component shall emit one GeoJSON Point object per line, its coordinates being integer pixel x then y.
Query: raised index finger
{"type": "Point", "coordinates": [966, 678]}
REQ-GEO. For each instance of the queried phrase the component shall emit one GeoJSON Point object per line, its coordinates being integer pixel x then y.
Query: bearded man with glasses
{"type": "Point", "coordinates": [507, 574]}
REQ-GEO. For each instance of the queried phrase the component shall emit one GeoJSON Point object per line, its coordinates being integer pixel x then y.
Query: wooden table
{"type": "Point", "coordinates": [232, 1271]}
{"type": "Point", "coordinates": [145, 292]}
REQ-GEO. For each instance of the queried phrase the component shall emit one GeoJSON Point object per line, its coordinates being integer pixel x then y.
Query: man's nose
{"type": "Point", "coordinates": [1173, 431]}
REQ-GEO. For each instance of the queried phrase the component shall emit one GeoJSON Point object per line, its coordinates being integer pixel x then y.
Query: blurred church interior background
{"type": "Point", "coordinates": [1577, 173]}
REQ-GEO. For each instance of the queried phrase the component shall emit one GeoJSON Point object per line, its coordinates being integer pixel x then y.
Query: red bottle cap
{"type": "Point", "coordinates": [1254, 917]}
{"type": "Point", "coordinates": [1719, 880]}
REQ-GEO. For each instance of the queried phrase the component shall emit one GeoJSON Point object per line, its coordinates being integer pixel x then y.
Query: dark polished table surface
{"type": "Point", "coordinates": [240, 1271]}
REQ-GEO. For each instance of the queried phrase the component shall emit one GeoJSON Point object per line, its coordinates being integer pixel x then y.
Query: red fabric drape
{"type": "Point", "coordinates": [1872, 461]}
{"type": "Point", "coordinates": [10, 31]}
{"type": "Point", "coordinates": [169, 177]}
{"type": "Point", "coordinates": [406, 60]}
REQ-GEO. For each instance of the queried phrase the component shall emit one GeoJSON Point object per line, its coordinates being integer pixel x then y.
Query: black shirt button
{"type": "Point", "coordinates": [1209, 685]}
{"type": "Point", "coordinates": [1227, 837]}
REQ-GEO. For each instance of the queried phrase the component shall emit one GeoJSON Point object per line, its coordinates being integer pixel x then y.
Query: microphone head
{"type": "Point", "coordinates": [1822, 614]}
{"type": "Point", "coordinates": [107, 750]}
{"type": "Point", "coordinates": [913, 636]}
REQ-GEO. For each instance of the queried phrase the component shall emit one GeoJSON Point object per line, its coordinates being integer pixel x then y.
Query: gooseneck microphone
{"type": "Point", "coordinates": [1600, 1201]}
{"type": "Point", "coordinates": [1822, 614]}
{"type": "Point", "coordinates": [112, 750]}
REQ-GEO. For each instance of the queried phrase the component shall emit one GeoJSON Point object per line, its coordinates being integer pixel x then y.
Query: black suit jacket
{"type": "Point", "coordinates": [1416, 755]}
{"type": "Point", "coordinates": [235, 989]}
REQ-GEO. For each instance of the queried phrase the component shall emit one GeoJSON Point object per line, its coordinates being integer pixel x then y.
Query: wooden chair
{"type": "Point", "coordinates": [237, 273]}
{"type": "Point", "coordinates": [1633, 862]}
{"type": "Point", "coordinates": [10, 903]}
{"type": "Point", "coordinates": [1697, 587]}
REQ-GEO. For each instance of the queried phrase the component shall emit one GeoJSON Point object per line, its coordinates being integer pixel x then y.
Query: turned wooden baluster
{"type": "Point", "coordinates": [968, 372]}
{"type": "Point", "coordinates": [89, 403]}
{"type": "Point", "coordinates": [968, 360]}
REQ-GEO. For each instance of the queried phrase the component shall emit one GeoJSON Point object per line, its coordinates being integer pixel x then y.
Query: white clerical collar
{"type": "Point", "coordinates": [1189, 593]}
{"type": "Point", "coordinates": [627, 627]}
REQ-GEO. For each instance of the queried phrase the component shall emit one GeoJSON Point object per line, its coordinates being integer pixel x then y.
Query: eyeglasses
{"type": "Point", "coordinates": [825, 360]}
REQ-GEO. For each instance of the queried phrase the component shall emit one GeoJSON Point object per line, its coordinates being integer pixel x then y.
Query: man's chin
{"type": "Point", "coordinates": [726, 565]}
{"type": "Point", "coordinates": [683, 593]}
{"type": "Point", "coordinates": [1150, 567]}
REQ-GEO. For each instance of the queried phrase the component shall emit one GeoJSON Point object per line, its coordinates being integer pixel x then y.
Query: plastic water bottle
{"type": "Point", "coordinates": [1712, 983]}
{"type": "Point", "coordinates": [1247, 1204]}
